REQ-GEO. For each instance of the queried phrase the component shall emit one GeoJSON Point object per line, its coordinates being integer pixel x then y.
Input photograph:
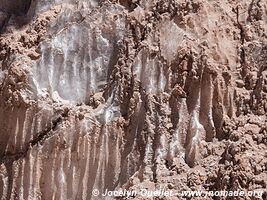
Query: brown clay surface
{"type": "Point", "coordinates": [132, 94]}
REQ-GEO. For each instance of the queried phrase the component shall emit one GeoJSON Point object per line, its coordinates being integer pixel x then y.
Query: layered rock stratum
{"type": "Point", "coordinates": [132, 94]}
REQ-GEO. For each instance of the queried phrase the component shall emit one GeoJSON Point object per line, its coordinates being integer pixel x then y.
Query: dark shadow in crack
{"type": "Point", "coordinates": [16, 13]}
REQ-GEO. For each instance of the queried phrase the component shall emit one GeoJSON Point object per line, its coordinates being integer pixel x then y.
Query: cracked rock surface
{"type": "Point", "coordinates": [132, 94]}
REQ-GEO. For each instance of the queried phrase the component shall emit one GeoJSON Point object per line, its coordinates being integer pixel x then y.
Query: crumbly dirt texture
{"type": "Point", "coordinates": [132, 94]}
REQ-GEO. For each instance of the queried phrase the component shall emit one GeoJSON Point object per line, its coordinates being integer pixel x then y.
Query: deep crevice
{"type": "Point", "coordinates": [40, 139]}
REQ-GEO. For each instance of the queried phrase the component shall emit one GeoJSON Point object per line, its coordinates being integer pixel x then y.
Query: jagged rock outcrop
{"type": "Point", "coordinates": [131, 94]}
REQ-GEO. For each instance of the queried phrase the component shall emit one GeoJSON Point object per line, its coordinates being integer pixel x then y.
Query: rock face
{"type": "Point", "coordinates": [132, 94]}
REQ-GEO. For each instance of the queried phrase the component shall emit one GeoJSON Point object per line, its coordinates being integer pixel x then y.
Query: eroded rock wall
{"type": "Point", "coordinates": [110, 94]}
